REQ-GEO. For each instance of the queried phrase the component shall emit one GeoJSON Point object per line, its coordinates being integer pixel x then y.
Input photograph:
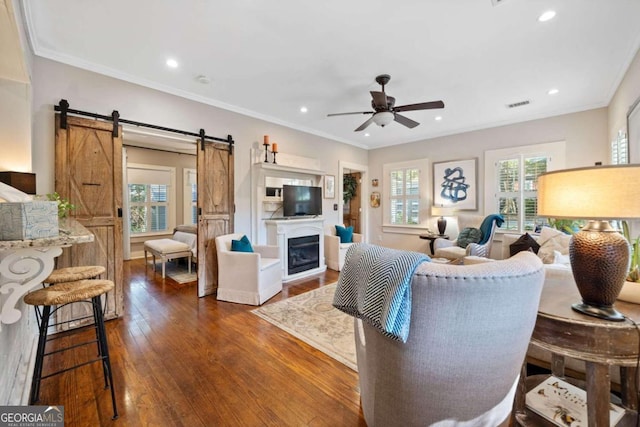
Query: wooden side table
{"type": "Point", "coordinates": [600, 343]}
{"type": "Point", "coordinates": [431, 238]}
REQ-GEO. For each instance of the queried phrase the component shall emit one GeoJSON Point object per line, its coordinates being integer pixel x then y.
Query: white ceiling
{"type": "Point", "coordinates": [268, 58]}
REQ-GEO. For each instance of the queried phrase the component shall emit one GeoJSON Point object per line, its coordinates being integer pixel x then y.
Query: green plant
{"type": "Point", "coordinates": [568, 226]}
{"type": "Point", "coordinates": [634, 270]}
{"type": "Point", "coordinates": [349, 187]}
{"type": "Point", "coordinates": [63, 204]}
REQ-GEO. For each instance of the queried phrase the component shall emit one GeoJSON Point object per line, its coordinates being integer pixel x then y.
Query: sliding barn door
{"type": "Point", "coordinates": [88, 172]}
{"type": "Point", "coordinates": [215, 209]}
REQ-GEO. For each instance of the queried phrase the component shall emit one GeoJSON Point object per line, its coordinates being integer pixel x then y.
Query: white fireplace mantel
{"type": "Point", "coordinates": [281, 230]}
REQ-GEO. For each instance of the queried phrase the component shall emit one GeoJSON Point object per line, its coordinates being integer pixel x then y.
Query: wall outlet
{"type": "Point", "coordinates": [335, 206]}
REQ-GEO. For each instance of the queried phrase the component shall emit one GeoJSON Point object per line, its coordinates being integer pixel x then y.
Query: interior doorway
{"type": "Point", "coordinates": [355, 209]}
{"type": "Point", "coordinates": [352, 209]}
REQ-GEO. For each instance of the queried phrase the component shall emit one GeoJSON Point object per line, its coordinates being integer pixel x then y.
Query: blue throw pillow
{"type": "Point", "coordinates": [242, 245]}
{"type": "Point", "coordinates": [345, 234]}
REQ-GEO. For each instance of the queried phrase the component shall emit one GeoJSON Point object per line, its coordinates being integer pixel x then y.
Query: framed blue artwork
{"type": "Point", "coordinates": [455, 184]}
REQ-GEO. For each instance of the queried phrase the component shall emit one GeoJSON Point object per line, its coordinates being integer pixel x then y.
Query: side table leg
{"type": "Point", "coordinates": [598, 394]}
{"type": "Point", "coordinates": [557, 365]}
{"type": "Point", "coordinates": [628, 385]}
{"type": "Point", "coordinates": [519, 404]}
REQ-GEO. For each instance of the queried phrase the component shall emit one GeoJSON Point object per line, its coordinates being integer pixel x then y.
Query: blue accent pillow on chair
{"type": "Point", "coordinates": [345, 234]}
{"type": "Point", "coordinates": [468, 235]}
{"type": "Point", "coordinates": [242, 245]}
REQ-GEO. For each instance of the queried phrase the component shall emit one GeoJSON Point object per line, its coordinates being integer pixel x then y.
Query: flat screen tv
{"type": "Point", "coordinates": [299, 200]}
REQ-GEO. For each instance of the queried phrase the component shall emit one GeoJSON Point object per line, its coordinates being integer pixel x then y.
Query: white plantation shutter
{"type": "Point", "coordinates": [620, 149]}
{"type": "Point", "coordinates": [150, 198]}
{"type": "Point", "coordinates": [517, 193]}
{"type": "Point", "coordinates": [405, 196]}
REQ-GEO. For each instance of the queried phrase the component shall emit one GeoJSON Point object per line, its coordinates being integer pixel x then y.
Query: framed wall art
{"type": "Point", "coordinates": [329, 186]}
{"type": "Point", "coordinates": [455, 184]}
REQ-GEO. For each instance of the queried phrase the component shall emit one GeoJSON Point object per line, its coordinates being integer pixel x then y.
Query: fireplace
{"type": "Point", "coordinates": [303, 253]}
{"type": "Point", "coordinates": [300, 245]}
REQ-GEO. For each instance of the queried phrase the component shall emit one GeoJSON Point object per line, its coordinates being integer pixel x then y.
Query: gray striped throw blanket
{"type": "Point", "coordinates": [375, 286]}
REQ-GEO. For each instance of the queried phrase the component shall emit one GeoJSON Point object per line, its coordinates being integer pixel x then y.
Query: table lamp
{"type": "Point", "coordinates": [599, 254]}
{"type": "Point", "coordinates": [442, 211]}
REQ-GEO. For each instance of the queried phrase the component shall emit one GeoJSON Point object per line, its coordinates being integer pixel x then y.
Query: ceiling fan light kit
{"type": "Point", "coordinates": [385, 110]}
{"type": "Point", "coordinates": [383, 118]}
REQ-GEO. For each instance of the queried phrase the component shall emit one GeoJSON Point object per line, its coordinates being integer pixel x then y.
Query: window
{"type": "Point", "coordinates": [620, 149]}
{"type": "Point", "coordinates": [406, 193]}
{"type": "Point", "coordinates": [513, 175]}
{"type": "Point", "coordinates": [190, 194]}
{"type": "Point", "coordinates": [151, 199]}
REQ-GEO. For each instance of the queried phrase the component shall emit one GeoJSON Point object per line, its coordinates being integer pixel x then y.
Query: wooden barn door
{"type": "Point", "coordinates": [88, 172]}
{"type": "Point", "coordinates": [215, 208]}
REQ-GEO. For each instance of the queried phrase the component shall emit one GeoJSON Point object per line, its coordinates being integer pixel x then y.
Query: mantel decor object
{"type": "Point", "coordinates": [266, 148]}
{"type": "Point", "coordinates": [599, 254]}
{"type": "Point", "coordinates": [274, 150]}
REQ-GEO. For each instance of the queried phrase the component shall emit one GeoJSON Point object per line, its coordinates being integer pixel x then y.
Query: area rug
{"type": "Point", "coordinates": [311, 318]}
{"type": "Point", "coordinates": [178, 271]}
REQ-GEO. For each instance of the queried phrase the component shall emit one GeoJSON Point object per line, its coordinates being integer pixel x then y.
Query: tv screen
{"type": "Point", "coordinates": [300, 200]}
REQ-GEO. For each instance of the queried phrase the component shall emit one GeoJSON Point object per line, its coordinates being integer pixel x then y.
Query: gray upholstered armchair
{"type": "Point", "coordinates": [450, 249]}
{"type": "Point", "coordinates": [469, 332]}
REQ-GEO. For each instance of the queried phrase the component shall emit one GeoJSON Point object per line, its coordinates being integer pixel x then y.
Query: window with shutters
{"type": "Point", "coordinates": [513, 175]}
{"type": "Point", "coordinates": [406, 193]}
{"type": "Point", "coordinates": [190, 194]}
{"type": "Point", "coordinates": [151, 199]}
{"type": "Point", "coordinates": [620, 149]}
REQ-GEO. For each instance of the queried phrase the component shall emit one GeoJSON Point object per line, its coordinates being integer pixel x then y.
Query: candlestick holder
{"type": "Point", "coordinates": [274, 156]}
{"type": "Point", "coordinates": [266, 152]}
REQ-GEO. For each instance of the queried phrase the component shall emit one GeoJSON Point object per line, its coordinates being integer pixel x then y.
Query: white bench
{"type": "Point", "coordinates": [181, 245]}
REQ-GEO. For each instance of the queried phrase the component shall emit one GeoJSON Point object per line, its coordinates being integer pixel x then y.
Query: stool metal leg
{"type": "Point", "coordinates": [104, 351]}
{"type": "Point", "coordinates": [42, 342]}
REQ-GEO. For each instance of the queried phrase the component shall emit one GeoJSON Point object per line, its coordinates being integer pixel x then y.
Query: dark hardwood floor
{"type": "Point", "coordinates": [180, 360]}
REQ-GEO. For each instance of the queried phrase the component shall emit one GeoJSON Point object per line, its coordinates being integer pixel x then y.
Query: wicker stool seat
{"type": "Point", "coordinates": [71, 274]}
{"type": "Point", "coordinates": [61, 294]}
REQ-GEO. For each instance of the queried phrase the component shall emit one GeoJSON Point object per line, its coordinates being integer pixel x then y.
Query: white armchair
{"type": "Point", "coordinates": [449, 249]}
{"type": "Point", "coordinates": [334, 251]}
{"type": "Point", "coordinates": [247, 277]}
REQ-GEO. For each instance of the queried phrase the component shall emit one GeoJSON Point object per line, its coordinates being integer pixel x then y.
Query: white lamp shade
{"type": "Point", "coordinates": [383, 118]}
{"type": "Point", "coordinates": [442, 210]}
{"type": "Point", "coordinates": [600, 192]}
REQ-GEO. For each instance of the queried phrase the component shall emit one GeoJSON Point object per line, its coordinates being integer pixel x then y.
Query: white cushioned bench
{"type": "Point", "coordinates": [181, 245]}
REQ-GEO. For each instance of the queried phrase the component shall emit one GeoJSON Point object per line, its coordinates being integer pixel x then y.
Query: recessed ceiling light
{"type": "Point", "coordinates": [366, 134]}
{"type": "Point", "coordinates": [553, 91]}
{"type": "Point", "coordinates": [548, 15]}
{"type": "Point", "coordinates": [203, 79]}
{"type": "Point", "coordinates": [438, 118]}
{"type": "Point", "coordinates": [172, 63]}
{"type": "Point", "coordinates": [303, 109]}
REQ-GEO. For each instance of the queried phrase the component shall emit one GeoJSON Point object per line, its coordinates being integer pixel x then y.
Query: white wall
{"type": "Point", "coordinates": [586, 139]}
{"type": "Point", "coordinates": [626, 94]}
{"type": "Point", "coordinates": [92, 92]}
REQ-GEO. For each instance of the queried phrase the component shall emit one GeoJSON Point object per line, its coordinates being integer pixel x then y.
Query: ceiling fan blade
{"type": "Point", "coordinates": [379, 99]}
{"type": "Point", "coordinates": [364, 125]}
{"type": "Point", "coordinates": [346, 114]}
{"type": "Point", "coordinates": [404, 121]}
{"type": "Point", "coordinates": [421, 106]}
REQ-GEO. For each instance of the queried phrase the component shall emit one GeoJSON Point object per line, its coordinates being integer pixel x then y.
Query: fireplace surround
{"type": "Point", "coordinates": [300, 244]}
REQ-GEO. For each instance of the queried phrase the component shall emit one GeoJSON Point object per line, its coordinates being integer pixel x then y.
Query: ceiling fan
{"type": "Point", "coordinates": [386, 111]}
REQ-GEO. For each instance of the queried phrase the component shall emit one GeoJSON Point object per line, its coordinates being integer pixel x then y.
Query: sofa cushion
{"type": "Point", "coordinates": [345, 233]}
{"type": "Point", "coordinates": [552, 240]}
{"type": "Point", "coordinates": [242, 245]}
{"type": "Point", "coordinates": [468, 235]}
{"type": "Point", "coordinates": [524, 243]}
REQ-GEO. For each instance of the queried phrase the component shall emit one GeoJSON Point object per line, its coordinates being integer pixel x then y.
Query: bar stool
{"type": "Point", "coordinates": [71, 274]}
{"type": "Point", "coordinates": [60, 295]}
